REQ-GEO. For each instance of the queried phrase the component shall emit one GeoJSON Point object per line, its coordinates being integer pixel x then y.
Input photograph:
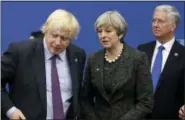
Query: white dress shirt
{"type": "Point", "coordinates": [64, 79]}
{"type": "Point", "coordinates": [167, 48]}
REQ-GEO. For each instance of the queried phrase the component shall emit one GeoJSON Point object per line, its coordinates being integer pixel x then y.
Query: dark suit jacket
{"type": "Point", "coordinates": [23, 67]}
{"type": "Point", "coordinates": [131, 98]}
{"type": "Point", "coordinates": [169, 95]}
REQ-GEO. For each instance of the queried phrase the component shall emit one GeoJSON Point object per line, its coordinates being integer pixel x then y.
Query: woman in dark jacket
{"type": "Point", "coordinates": [117, 83]}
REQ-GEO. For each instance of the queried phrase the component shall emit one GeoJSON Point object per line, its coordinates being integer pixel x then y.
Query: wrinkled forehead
{"type": "Point", "coordinates": [160, 13]}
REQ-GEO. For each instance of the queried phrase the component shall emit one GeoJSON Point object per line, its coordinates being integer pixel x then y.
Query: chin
{"type": "Point", "coordinates": [106, 46]}
{"type": "Point", "coordinates": [157, 35]}
{"type": "Point", "coordinates": [55, 52]}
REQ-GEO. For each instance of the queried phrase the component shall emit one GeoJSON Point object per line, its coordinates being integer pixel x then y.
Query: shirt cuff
{"type": "Point", "coordinates": [10, 111]}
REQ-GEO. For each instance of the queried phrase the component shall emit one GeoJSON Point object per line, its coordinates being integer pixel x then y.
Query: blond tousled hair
{"type": "Point", "coordinates": [63, 20]}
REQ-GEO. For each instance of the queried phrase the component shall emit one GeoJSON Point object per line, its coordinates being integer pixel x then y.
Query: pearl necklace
{"type": "Point", "coordinates": [114, 59]}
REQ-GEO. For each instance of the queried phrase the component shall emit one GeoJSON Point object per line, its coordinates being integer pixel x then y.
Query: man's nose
{"type": "Point", "coordinates": [57, 42]}
{"type": "Point", "coordinates": [155, 23]}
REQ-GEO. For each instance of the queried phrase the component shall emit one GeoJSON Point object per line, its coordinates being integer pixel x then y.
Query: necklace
{"type": "Point", "coordinates": [115, 58]}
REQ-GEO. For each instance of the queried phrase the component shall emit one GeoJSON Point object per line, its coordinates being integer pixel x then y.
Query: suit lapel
{"type": "Point", "coordinates": [149, 51]}
{"type": "Point", "coordinates": [38, 64]}
{"type": "Point", "coordinates": [98, 69]}
{"type": "Point", "coordinates": [123, 74]}
{"type": "Point", "coordinates": [72, 62]}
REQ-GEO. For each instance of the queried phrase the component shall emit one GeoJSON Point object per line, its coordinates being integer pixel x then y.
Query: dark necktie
{"type": "Point", "coordinates": [58, 112]}
{"type": "Point", "coordinates": [156, 71]}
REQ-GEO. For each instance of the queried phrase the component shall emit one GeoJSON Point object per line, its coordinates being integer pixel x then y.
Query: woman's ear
{"type": "Point", "coordinates": [120, 36]}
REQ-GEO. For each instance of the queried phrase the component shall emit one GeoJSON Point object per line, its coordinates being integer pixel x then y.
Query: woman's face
{"type": "Point", "coordinates": [108, 36]}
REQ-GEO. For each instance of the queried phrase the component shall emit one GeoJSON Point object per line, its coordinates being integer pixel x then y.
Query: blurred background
{"type": "Point", "coordinates": [20, 18]}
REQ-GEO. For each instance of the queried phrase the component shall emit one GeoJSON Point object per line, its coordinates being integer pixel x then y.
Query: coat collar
{"type": "Point", "coordinates": [98, 67]}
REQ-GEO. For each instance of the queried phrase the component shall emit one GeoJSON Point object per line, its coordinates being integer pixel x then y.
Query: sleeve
{"type": "Point", "coordinates": [83, 56]}
{"type": "Point", "coordinates": [180, 91]}
{"type": "Point", "coordinates": [88, 95]}
{"type": "Point", "coordinates": [144, 91]}
{"type": "Point", "coordinates": [8, 68]}
{"type": "Point", "coordinates": [10, 111]}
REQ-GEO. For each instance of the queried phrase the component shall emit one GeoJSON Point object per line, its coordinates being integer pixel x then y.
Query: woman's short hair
{"type": "Point", "coordinates": [63, 20]}
{"type": "Point", "coordinates": [173, 14]}
{"type": "Point", "coordinates": [112, 18]}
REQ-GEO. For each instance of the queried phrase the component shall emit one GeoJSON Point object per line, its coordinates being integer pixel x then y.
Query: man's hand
{"type": "Point", "coordinates": [17, 115]}
{"type": "Point", "coordinates": [182, 112]}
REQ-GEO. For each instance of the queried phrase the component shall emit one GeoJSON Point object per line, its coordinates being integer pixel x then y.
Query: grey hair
{"type": "Point", "coordinates": [112, 18]}
{"type": "Point", "coordinates": [173, 14]}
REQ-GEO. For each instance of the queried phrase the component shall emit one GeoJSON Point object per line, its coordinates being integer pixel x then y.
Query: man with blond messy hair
{"type": "Point", "coordinates": [44, 74]}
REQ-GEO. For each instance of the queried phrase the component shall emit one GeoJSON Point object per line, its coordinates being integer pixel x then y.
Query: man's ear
{"type": "Point", "coordinates": [174, 26]}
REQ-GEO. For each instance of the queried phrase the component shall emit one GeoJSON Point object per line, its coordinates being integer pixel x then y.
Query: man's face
{"type": "Point", "coordinates": [161, 26]}
{"type": "Point", "coordinates": [57, 40]}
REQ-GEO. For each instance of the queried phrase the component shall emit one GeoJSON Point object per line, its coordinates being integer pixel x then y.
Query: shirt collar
{"type": "Point", "coordinates": [48, 54]}
{"type": "Point", "coordinates": [168, 45]}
